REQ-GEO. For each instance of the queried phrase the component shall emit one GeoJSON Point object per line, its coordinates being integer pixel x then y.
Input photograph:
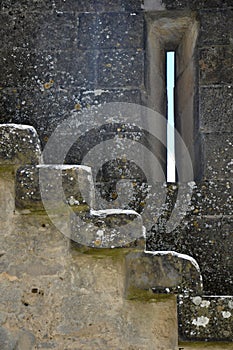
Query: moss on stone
{"type": "Point", "coordinates": [147, 295]}
{"type": "Point", "coordinates": [206, 345]}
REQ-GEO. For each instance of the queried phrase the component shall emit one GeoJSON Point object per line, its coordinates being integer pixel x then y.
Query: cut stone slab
{"type": "Point", "coordinates": [19, 145]}
{"type": "Point", "coordinates": [110, 228]}
{"type": "Point", "coordinates": [60, 187]}
{"type": "Point", "coordinates": [161, 272]}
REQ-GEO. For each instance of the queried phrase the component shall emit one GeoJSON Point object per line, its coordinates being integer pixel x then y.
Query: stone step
{"type": "Point", "coordinates": [19, 145]}
{"type": "Point", "coordinates": [66, 194]}
{"type": "Point", "coordinates": [161, 272]}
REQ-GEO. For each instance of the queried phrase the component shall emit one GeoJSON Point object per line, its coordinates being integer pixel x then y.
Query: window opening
{"type": "Point", "coordinates": [170, 85]}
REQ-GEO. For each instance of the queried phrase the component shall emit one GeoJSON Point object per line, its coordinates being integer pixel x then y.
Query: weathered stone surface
{"type": "Point", "coordinates": [26, 340]}
{"type": "Point", "coordinates": [19, 145]}
{"type": "Point", "coordinates": [109, 324]}
{"type": "Point", "coordinates": [216, 65]}
{"type": "Point", "coordinates": [9, 104]}
{"type": "Point", "coordinates": [10, 297]}
{"type": "Point", "coordinates": [208, 239]}
{"type": "Point", "coordinates": [73, 5]}
{"type": "Point", "coordinates": [106, 31]}
{"type": "Point", "coordinates": [161, 272]}
{"type": "Point", "coordinates": [7, 339]}
{"type": "Point", "coordinates": [218, 154]}
{"type": "Point", "coordinates": [216, 104]}
{"type": "Point", "coordinates": [101, 96]}
{"type": "Point", "coordinates": [17, 5]}
{"type": "Point", "coordinates": [177, 4]}
{"type": "Point", "coordinates": [17, 27]}
{"type": "Point", "coordinates": [212, 198]}
{"type": "Point", "coordinates": [46, 70]}
{"type": "Point", "coordinates": [132, 5]}
{"type": "Point", "coordinates": [205, 318]}
{"type": "Point", "coordinates": [89, 310]}
{"type": "Point", "coordinates": [120, 68]}
{"type": "Point", "coordinates": [75, 180]}
{"type": "Point", "coordinates": [44, 78]}
{"type": "Point", "coordinates": [111, 228]}
{"type": "Point", "coordinates": [210, 3]}
{"type": "Point", "coordinates": [7, 194]}
{"type": "Point", "coordinates": [35, 268]}
{"type": "Point", "coordinates": [205, 198]}
{"type": "Point", "coordinates": [195, 4]}
{"type": "Point", "coordinates": [215, 27]}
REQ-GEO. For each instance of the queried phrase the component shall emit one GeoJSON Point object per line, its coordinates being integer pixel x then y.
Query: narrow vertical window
{"type": "Point", "coordinates": [170, 84]}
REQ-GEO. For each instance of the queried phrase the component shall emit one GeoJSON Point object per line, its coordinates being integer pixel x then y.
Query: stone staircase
{"type": "Point", "coordinates": [66, 194]}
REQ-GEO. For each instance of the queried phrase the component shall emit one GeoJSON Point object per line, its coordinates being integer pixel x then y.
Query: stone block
{"type": "Point", "coordinates": [24, 5]}
{"type": "Point", "coordinates": [46, 70]}
{"type": "Point", "coordinates": [110, 228]}
{"type": "Point", "coordinates": [218, 155]}
{"type": "Point", "coordinates": [215, 64]}
{"type": "Point", "coordinates": [161, 272]}
{"type": "Point", "coordinates": [74, 180]}
{"type": "Point", "coordinates": [205, 317]}
{"type": "Point", "coordinates": [132, 5]}
{"type": "Point", "coordinates": [118, 68]}
{"type": "Point", "coordinates": [212, 198]}
{"type": "Point", "coordinates": [110, 30]}
{"type": "Point", "coordinates": [54, 31]}
{"type": "Point", "coordinates": [215, 27]}
{"type": "Point", "coordinates": [19, 145]}
{"type": "Point", "coordinates": [216, 104]}
{"type": "Point", "coordinates": [208, 239]}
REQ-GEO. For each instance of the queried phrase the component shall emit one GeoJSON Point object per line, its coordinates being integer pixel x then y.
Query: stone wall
{"type": "Point", "coordinates": [59, 58]}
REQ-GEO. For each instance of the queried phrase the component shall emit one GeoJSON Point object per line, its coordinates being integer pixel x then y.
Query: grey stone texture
{"type": "Point", "coordinates": [19, 145]}
{"type": "Point", "coordinates": [205, 318]}
{"type": "Point", "coordinates": [216, 106]}
{"type": "Point", "coordinates": [215, 65]}
{"type": "Point", "coordinates": [161, 272]}
{"type": "Point", "coordinates": [63, 297]}
{"type": "Point", "coordinates": [75, 181]}
{"type": "Point", "coordinates": [61, 57]}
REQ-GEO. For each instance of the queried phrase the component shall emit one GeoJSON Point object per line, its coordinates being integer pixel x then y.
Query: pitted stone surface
{"type": "Point", "coordinates": [205, 318]}
{"type": "Point", "coordinates": [111, 228]}
{"type": "Point", "coordinates": [19, 144]}
{"type": "Point", "coordinates": [48, 71]}
{"type": "Point", "coordinates": [75, 180]}
{"type": "Point", "coordinates": [161, 272]}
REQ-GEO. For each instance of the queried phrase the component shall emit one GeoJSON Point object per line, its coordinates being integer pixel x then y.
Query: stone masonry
{"type": "Point", "coordinates": [65, 58]}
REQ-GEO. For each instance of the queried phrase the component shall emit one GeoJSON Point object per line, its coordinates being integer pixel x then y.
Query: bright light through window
{"type": "Point", "coordinates": [170, 82]}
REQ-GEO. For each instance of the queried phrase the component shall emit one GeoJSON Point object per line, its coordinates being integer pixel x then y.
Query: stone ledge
{"type": "Point", "coordinates": [110, 228]}
{"type": "Point", "coordinates": [19, 145]}
{"type": "Point", "coordinates": [33, 182]}
{"type": "Point", "coordinates": [161, 272]}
